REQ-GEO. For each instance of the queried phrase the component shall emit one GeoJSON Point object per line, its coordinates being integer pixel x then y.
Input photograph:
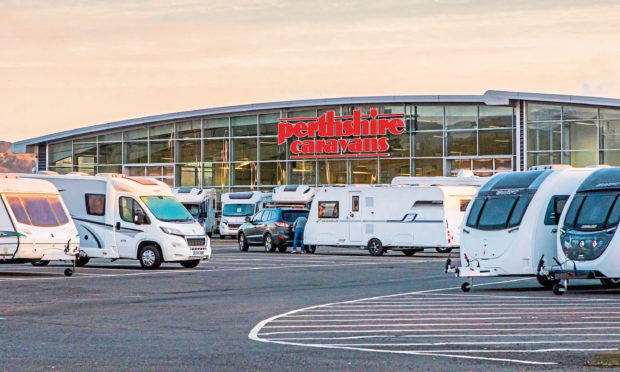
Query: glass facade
{"type": "Point", "coordinates": [240, 151]}
{"type": "Point", "coordinates": [578, 135]}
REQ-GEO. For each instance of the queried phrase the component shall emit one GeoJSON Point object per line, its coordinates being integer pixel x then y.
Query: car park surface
{"type": "Point", "coordinates": [226, 314]}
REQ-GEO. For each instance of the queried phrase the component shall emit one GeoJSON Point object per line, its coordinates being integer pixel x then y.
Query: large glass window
{"type": "Point", "coordinates": [579, 112]}
{"type": "Point", "coordinates": [580, 158]}
{"type": "Point", "coordinates": [215, 174]}
{"type": "Point", "coordinates": [495, 117]}
{"type": "Point", "coordinates": [135, 134]}
{"type": "Point", "coordinates": [216, 127]}
{"type": "Point", "coordinates": [332, 172]}
{"type": "Point", "coordinates": [544, 158]}
{"type": "Point", "coordinates": [399, 145]}
{"type": "Point", "coordinates": [543, 112]}
{"type": "Point", "coordinates": [610, 134]}
{"type": "Point", "coordinates": [188, 151]}
{"type": "Point", "coordinates": [302, 172]}
{"type": "Point", "coordinates": [461, 143]}
{"type": "Point", "coordinates": [216, 150]}
{"type": "Point", "coordinates": [188, 175]}
{"type": "Point", "coordinates": [84, 153]}
{"type": "Point", "coordinates": [161, 132]}
{"type": "Point", "coordinates": [428, 167]}
{"type": "Point", "coordinates": [111, 137]}
{"type": "Point", "coordinates": [580, 135]}
{"type": "Point", "coordinates": [244, 149]}
{"type": "Point", "coordinates": [273, 173]}
{"type": "Point", "coordinates": [110, 153]}
{"type": "Point", "coordinates": [270, 150]}
{"type": "Point", "coordinates": [268, 124]}
{"type": "Point", "coordinates": [243, 125]}
{"type": "Point", "coordinates": [428, 144]}
{"type": "Point", "coordinates": [245, 174]}
{"type": "Point", "coordinates": [429, 118]}
{"type": "Point", "coordinates": [60, 154]}
{"type": "Point", "coordinates": [162, 152]}
{"type": "Point", "coordinates": [495, 142]}
{"type": "Point", "coordinates": [461, 117]}
{"type": "Point", "coordinates": [136, 152]}
{"type": "Point", "coordinates": [544, 136]}
{"type": "Point", "coordinates": [391, 168]}
{"type": "Point", "coordinates": [611, 158]}
{"type": "Point", "coordinates": [188, 129]}
{"type": "Point", "coordinates": [364, 171]}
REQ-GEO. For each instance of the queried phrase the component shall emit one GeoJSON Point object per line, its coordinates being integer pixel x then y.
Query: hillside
{"type": "Point", "coordinates": [10, 162]}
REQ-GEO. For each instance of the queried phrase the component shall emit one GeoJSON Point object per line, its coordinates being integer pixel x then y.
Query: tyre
{"type": "Point", "coordinates": [243, 243]}
{"type": "Point", "coordinates": [269, 246]}
{"type": "Point", "coordinates": [209, 234]}
{"type": "Point", "coordinates": [443, 250]}
{"type": "Point", "coordinates": [409, 252]}
{"type": "Point", "coordinates": [282, 248]}
{"type": "Point", "coordinates": [375, 247]}
{"type": "Point", "coordinates": [466, 287]}
{"type": "Point", "coordinates": [150, 258]}
{"type": "Point", "coordinates": [610, 283]}
{"type": "Point", "coordinates": [558, 289]}
{"type": "Point", "coordinates": [190, 264]}
{"type": "Point", "coordinates": [546, 283]}
{"type": "Point", "coordinates": [40, 263]}
{"type": "Point", "coordinates": [82, 261]}
{"type": "Point", "coordinates": [311, 249]}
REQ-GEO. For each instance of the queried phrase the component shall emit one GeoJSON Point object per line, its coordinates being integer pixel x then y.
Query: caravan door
{"type": "Point", "coordinates": [354, 217]}
{"type": "Point", "coordinates": [8, 236]}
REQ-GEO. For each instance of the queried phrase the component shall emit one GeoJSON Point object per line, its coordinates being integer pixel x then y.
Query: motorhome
{"type": "Point", "coordinates": [236, 206]}
{"type": "Point", "coordinates": [293, 195]}
{"type": "Point", "coordinates": [510, 227]}
{"type": "Point", "coordinates": [34, 223]}
{"type": "Point", "coordinates": [587, 244]}
{"type": "Point", "coordinates": [131, 218]}
{"type": "Point", "coordinates": [200, 203]}
{"type": "Point", "coordinates": [378, 218]}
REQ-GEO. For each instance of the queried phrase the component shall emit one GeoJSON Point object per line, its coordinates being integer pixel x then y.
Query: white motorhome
{"type": "Point", "coordinates": [34, 223]}
{"type": "Point", "coordinates": [293, 195]}
{"type": "Point", "coordinates": [587, 244]}
{"type": "Point", "coordinates": [132, 218]}
{"type": "Point", "coordinates": [510, 227]}
{"type": "Point", "coordinates": [200, 203]}
{"type": "Point", "coordinates": [377, 218]}
{"type": "Point", "coordinates": [236, 206]}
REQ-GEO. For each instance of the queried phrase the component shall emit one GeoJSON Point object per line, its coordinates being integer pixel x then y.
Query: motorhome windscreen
{"type": "Point", "coordinates": [291, 216]}
{"type": "Point", "coordinates": [167, 209]}
{"type": "Point", "coordinates": [38, 210]}
{"type": "Point", "coordinates": [238, 210]}
{"type": "Point", "coordinates": [593, 211]}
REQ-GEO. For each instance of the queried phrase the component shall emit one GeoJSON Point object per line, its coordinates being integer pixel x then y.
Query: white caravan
{"type": "Point", "coordinates": [201, 205]}
{"type": "Point", "coordinates": [294, 195]}
{"type": "Point", "coordinates": [510, 227]}
{"type": "Point", "coordinates": [587, 245]}
{"type": "Point", "coordinates": [34, 223]}
{"type": "Point", "coordinates": [406, 218]}
{"type": "Point", "coordinates": [236, 206]}
{"type": "Point", "coordinates": [131, 217]}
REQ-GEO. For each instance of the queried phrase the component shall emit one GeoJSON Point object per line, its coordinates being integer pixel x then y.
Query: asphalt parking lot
{"type": "Point", "coordinates": [338, 309]}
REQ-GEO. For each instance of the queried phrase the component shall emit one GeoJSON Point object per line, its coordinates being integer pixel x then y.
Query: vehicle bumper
{"type": "Point", "coordinates": [180, 250]}
{"type": "Point", "coordinates": [225, 230]}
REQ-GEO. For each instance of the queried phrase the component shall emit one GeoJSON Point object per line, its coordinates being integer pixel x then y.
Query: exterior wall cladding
{"type": "Point", "coordinates": [238, 148]}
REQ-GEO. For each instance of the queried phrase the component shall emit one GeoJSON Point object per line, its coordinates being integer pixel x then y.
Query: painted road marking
{"type": "Point", "coordinates": [418, 323]}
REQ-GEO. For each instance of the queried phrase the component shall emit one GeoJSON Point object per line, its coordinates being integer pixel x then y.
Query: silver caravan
{"type": "Point", "coordinates": [510, 227]}
{"type": "Point", "coordinates": [200, 203]}
{"type": "Point", "coordinates": [378, 218]}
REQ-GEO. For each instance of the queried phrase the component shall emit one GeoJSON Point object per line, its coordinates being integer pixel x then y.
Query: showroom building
{"type": "Point", "coordinates": [357, 140]}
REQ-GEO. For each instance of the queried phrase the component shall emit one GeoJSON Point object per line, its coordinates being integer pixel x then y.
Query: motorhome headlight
{"type": "Point", "coordinates": [171, 230]}
{"type": "Point", "coordinates": [586, 246]}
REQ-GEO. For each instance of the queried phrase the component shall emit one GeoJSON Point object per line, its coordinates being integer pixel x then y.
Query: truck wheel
{"type": "Point", "coordinates": [82, 261]}
{"type": "Point", "coordinates": [443, 250]}
{"type": "Point", "coordinates": [190, 264]}
{"type": "Point", "coordinates": [546, 283]}
{"type": "Point", "coordinates": [282, 248]}
{"type": "Point", "coordinates": [40, 263]}
{"type": "Point", "coordinates": [409, 252]}
{"type": "Point", "coordinates": [150, 258]}
{"type": "Point", "coordinates": [269, 246]}
{"type": "Point", "coordinates": [243, 243]}
{"type": "Point", "coordinates": [375, 247]}
{"type": "Point", "coordinates": [610, 283]}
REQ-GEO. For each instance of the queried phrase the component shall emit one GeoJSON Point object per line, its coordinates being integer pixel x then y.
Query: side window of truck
{"type": "Point", "coordinates": [554, 209]}
{"type": "Point", "coordinates": [95, 204]}
{"type": "Point", "coordinates": [128, 207]}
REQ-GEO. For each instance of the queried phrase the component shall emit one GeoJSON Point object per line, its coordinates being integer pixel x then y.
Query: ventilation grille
{"type": "Point", "coordinates": [42, 157]}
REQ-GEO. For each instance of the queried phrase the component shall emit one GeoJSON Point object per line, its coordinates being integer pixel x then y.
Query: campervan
{"type": "Point", "coordinates": [200, 203]}
{"type": "Point", "coordinates": [131, 217]}
{"type": "Point", "coordinates": [510, 227]}
{"type": "Point", "coordinates": [34, 223]}
{"type": "Point", "coordinates": [378, 218]}
{"type": "Point", "coordinates": [293, 195]}
{"type": "Point", "coordinates": [236, 206]}
{"type": "Point", "coordinates": [587, 245]}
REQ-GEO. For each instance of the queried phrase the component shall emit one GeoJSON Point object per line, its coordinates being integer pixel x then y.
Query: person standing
{"type": "Point", "coordinates": [298, 228]}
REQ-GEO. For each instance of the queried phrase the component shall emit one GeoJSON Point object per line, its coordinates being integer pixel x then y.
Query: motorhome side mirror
{"type": "Point", "coordinates": [139, 218]}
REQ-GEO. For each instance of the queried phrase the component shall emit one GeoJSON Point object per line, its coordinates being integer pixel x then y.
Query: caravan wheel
{"type": "Point", "coordinates": [375, 247]}
{"type": "Point", "coordinates": [40, 263]}
{"type": "Point", "coordinates": [610, 283]}
{"type": "Point", "coordinates": [82, 261]}
{"type": "Point", "coordinates": [150, 258]}
{"type": "Point", "coordinates": [547, 283]}
{"type": "Point", "coordinates": [443, 250]}
{"type": "Point", "coordinates": [409, 252]}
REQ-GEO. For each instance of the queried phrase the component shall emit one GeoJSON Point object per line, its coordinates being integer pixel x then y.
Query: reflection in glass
{"type": "Point", "coordinates": [610, 134]}
{"type": "Point", "coordinates": [542, 112]}
{"type": "Point", "coordinates": [270, 150]}
{"type": "Point", "coordinates": [391, 168]}
{"type": "Point", "coordinates": [461, 143]}
{"type": "Point", "coordinates": [495, 117]}
{"type": "Point", "coordinates": [273, 173]}
{"type": "Point", "coordinates": [268, 124]}
{"type": "Point", "coordinates": [543, 158]}
{"type": "Point", "coordinates": [136, 152]}
{"type": "Point", "coordinates": [580, 158]}
{"type": "Point", "coordinates": [461, 117]}
{"type": "Point", "coordinates": [188, 175]}
{"type": "Point", "coordinates": [60, 154]}
{"type": "Point", "coordinates": [244, 149]}
{"type": "Point", "coordinates": [495, 142]}
{"type": "Point", "coordinates": [243, 125]}
{"type": "Point", "coordinates": [135, 134]}
{"type": "Point", "coordinates": [302, 172]}
{"type": "Point", "coordinates": [503, 164]}
{"type": "Point", "coordinates": [428, 144]}
{"type": "Point", "coordinates": [216, 150]}
{"type": "Point", "coordinates": [428, 167]}
{"type": "Point", "coordinates": [162, 152]}
{"type": "Point", "coordinates": [399, 145]}
{"type": "Point", "coordinates": [216, 127]}
{"type": "Point", "coordinates": [85, 153]}
{"type": "Point", "coordinates": [429, 118]}
{"type": "Point", "coordinates": [111, 137]}
{"type": "Point", "coordinates": [364, 171]}
{"type": "Point", "coordinates": [188, 129]}
{"type": "Point", "coordinates": [544, 136]}
{"type": "Point", "coordinates": [245, 174]}
{"type": "Point", "coordinates": [611, 158]}
{"type": "Point", "coordinates": [188, 151]}
{"type": "Point", "coordinates": [610, 114]}
{"type": "Point", "coordinates": [161, 132]}
{"type": "Point", "coordinates": [332, 172]}
{"type": "Point", "coordinates": [579, 135]}
{"type": "Point", "coordinates": [579, 112]}
{"type": "Point", "coordinates": [215, 174]}
{"type": "Point", "coordinates": [110, 168]}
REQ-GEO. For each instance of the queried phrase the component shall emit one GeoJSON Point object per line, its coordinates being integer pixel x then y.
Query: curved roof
{"type": "Point", "coordinates": [490, 97]}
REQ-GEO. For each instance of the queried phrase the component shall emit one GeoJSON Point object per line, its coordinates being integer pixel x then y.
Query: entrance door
{"type": "Point", "coordinates": [354, 217]}
{"type": "Point", "coordinates": [125, 229]}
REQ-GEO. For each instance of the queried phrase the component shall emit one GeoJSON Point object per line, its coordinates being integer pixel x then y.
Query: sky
{"type": "Point", "coordinates": [71, 63]}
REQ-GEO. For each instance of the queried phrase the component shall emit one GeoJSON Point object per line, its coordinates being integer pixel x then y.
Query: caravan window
{"type": "Point", "coordinates": [355, 203]}
{"type": "Point", "coordinates": [554, 209]}
{"type": "Point", "coordinates": [42, 211]}
{"type": "Point", "coordinates": [95, 204]}
{"type": "Point", "coordinates": [497, 213]}
{"type": "Point", "coordinates": [592, 211]}
{"type": "Point", "coordinates": [464, 203]}
{"type": "Point", "coordinates": [328, 209]}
